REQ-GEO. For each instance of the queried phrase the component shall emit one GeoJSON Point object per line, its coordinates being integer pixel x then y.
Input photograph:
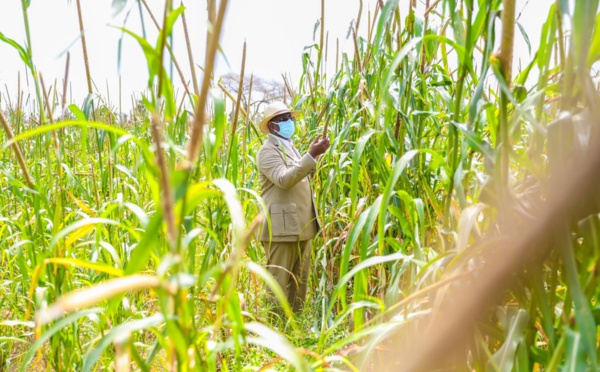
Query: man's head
{"type": "Point", "coordinates": [278, 119]}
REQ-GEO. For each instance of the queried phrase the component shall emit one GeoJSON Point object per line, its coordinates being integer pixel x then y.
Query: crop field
{"type": "Point", "coordinates": [459, 202]}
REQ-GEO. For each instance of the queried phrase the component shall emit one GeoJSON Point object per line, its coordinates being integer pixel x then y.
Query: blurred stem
{"type": "Point", "coordinates": [236, 114]}
{"type": "Point", "coordinates": [240, 92]}
{"type": "Point", "coordinates": [163, 41]}
{"type": "Point", "coordinates": [66, 81]}
{"type": "Point", "coordinates": [211, 11]}
{"type": "Point", "coordinates": [505, 56]}
{"type": "Point", "coordinates": [200, 110]}
{"type": "Point", "coordinates": [84, 48]}
{"type": "Point", "coordinates": [582, 309]}
{"type": "Point", "coordinates": [142, 18]}
{"type": "Point", "coordinates": [36, 82]}
{"type": "Point", "coordinates": [410, 22]}
{"type": "Point", "coordinates": [502, 145]}
{"type": "Point", "coordinates": [473, 123]}
{"type": "Point", "coordinates": [190, 55]}
{"type": "Point", "coordinates": [246, 131]}
{"type": "Point", "coordinates": [508, 34]}
{"type": "Point", "coordinates": [17, 150]}
{"type": "Point", "coordinates": [360, 8]}
{"type": "Point", "coordinates": [167, 193]}
{"type": "Point", "coordinates": [169, 48]}
{"type": "Point", "coordinates": [321, 38]}
{"type": "Point", "coordinates": [561, 37]}
{"type": "Point", "coordinates": [423, 44]}
{"type": "Point", "coordinates": [453, 141]}
{"type": "Point", "coordinates": [561, 48]}
{"type": "Point", "coordinates": [50, 119]}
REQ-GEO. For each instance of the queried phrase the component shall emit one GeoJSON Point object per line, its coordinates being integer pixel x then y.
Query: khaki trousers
{"type": "Point", "coordinates": [289, 263]}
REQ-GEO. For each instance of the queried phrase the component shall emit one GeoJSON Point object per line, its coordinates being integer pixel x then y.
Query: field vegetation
{"type": "Point", "coordinates": [459, 202]}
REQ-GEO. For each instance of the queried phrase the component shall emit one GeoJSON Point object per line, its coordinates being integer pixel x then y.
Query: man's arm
{"type": "Point", "coordinates": [272, 165]}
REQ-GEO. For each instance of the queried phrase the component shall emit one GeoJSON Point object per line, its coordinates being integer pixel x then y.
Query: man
{"type": "Point", "coordinates": [283, 176]}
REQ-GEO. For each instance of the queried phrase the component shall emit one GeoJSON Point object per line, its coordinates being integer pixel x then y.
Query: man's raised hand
{"type": "Point", "coordinates": [319, 146]}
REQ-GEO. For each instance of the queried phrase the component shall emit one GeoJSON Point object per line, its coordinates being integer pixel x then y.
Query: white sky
{"type": "Point", "coordinates": [276, 32]}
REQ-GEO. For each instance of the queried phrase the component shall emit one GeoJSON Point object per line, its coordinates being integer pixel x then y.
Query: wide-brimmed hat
{"type": "Point", "coordinates": [272, 110]}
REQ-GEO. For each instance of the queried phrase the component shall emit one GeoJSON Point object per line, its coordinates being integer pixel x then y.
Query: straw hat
{"type": "Point", "coordinates": [272, 110]}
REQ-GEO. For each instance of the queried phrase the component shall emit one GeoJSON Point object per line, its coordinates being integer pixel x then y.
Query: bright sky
{"type": "Point", "coordinates": [276, 32]}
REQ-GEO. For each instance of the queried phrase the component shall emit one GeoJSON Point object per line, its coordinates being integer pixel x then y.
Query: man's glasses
{"type": "Point", "coordinates": [281, 118]}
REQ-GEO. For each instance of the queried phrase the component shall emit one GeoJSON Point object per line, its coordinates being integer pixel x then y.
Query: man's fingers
{"type": "Point", "coordinates": [320, 144]}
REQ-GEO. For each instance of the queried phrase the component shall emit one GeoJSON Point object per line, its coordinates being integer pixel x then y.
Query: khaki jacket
{"type": "Point", "coordinates": [285, 188]}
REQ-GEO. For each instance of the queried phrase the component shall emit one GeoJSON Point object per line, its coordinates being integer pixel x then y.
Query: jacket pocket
{"type": "Point", "coordinates": [284, 219]}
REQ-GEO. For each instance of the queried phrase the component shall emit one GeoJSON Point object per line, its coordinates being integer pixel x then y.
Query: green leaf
{"type": "Point", "coordinates": [391, 70]}
{"type": "Point", "coordinates": [553, 366]}
{"type": "Point", "coordinates": [584, 16]}
{"type": "Point", "coordinates": [94, 355]}
{"type": "Point", "coordinates": [79, 224]}
{"type": "Point", "coordinates": [146, 246]}
{"type": "Point", "coordinates": [274, 287]}
{"type": "Point", "coordinates": [171, 18]}
{"type": "Point", "coordinates": [152, 57]}
{"type": "Point", "coordinates": [356, 161]}
{"type": "Point", "coordinates": [316, 27]}
{"type": "Point", "coordinates": [345, 260]}
{"type": "Point", "coordinates": [386, 14]}
{"type": "Point", "coordinates": [575, 354]}
{"type": "Point", "coordinates": [277, 343]}
{"type": "Point", "coordinates": [52, 127]}
{"type": "Point", "coordinates": [594, 54]}
{"type": "Point", "coordinates": [525, 37]}
{"type": "Point", "coordinates": [372, 261]}
{"type": "Point", "coordinates": [25, 56]}
{"type": "Point", "coordinates": [219, 125]}
{"type": "Point", "coordinates": [118, 6]}
{"type": "Point", "coordinates": [196, 194]}
{"type": "Point", "coordinates": [235, 208]}
{"type": "Point", "coordinates": [88, 106]}
{"type": "Point", "coordinates": [77, 112]}
{"type": "Point", "coordinates": [169, 96]}
{"type": "Point", "coordinates": [586, 337]}
{"type": "Point", "coordinates": [468, 219]}
{"type": "Point", "coordinates": [389, 188]}
{"type": "Point", "coordinates": [547, 39]}
{"type": "Point", "coordinates": [58, 326]}
{"type": "Point", "coordinates": [514, 323]}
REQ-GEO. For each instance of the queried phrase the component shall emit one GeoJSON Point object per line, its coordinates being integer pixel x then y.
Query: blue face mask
{"type": "Point", "coordinates": [287, 129]}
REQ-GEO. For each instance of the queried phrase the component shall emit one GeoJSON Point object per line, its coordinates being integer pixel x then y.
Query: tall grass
{"type": "Point", "coordinates": [132, 245]}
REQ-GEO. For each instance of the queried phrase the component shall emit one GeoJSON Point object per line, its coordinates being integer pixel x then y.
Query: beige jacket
{"type": "Point", "coordinates": [283, 176]}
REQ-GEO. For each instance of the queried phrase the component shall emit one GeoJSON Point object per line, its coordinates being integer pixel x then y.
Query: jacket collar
{"type": "Point", "coordinates": [280, 146]}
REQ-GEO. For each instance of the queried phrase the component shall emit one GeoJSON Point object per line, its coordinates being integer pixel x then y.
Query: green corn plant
{"type": "Point", "coordinates": [132, 246]}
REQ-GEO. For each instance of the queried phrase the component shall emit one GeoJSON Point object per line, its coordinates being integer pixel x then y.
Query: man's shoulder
{"type": "Point", "coordinates": [263, 151]}
{"type": "Point", "coordinates": [268, 145]}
